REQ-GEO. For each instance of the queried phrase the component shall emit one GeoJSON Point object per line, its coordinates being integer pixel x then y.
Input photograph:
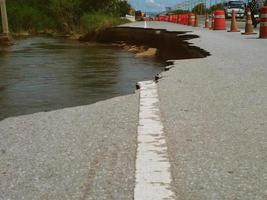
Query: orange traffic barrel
{"type": "Point", "coordinates": [179, 19]}
{"type": "Point", "coordinates": [184, 19]}
{"type": "Point", "coordinates": [192, 19]}
{"type": "Point", "coordinates": [219, 20]}
{"type": "Point", "coordinates": [176, 19]}
{"type": "Point", "coordinates": [167, 18]}
{"type": "Point", "coordinates": [171, 18]}
{"type": "Point", "coordinates": [263, 22]}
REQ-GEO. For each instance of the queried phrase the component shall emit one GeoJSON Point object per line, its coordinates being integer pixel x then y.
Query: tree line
{"type": "Point", "coordinates": [35, 15]}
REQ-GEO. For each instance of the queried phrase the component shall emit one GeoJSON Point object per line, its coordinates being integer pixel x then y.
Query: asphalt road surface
{"type": "Point", "coordinates": [214, 113]}
{"type": "Point", "coordinates": [241, 23]}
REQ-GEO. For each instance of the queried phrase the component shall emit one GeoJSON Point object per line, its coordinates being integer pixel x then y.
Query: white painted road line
{"type": "Point", "coordinates": [153, 177]}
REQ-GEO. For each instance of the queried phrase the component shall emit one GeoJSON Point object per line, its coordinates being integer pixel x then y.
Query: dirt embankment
{"type": "Point", "coordinates": [138, 50]}
{"type": "Point", "coordinates": [6, 40]}
{"type": "Point", "coordinates": [163, 44]}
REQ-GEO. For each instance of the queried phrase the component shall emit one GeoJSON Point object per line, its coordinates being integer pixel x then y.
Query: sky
{"type": "Point", "coordinates": [152, 5]}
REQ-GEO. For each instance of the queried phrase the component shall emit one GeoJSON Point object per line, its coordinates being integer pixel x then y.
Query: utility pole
{"type": "Point", "coordinates": [4, 17]}
{"type": "Point", "coordinates": [5, 37]}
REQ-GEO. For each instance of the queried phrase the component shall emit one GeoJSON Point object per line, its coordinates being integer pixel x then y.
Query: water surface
{"type": "Point", "coordinates": [42, 74]}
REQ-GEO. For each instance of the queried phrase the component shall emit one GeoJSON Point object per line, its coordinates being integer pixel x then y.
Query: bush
{"type": "Point", "coordinates": [98, 20]}
{"type": "Point", "coordinates": [199, 9]}
{"type": "Point", "coordinates": [216, 7]}
{"type": "Point", "coordinates": [26, 18]}
{"type": "Point", "coordinates": [64, 15]}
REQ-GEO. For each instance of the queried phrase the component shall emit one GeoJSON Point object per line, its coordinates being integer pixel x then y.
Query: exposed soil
{"type": "Point", "coordinates": [138, 50]}
{"type": "Point", "coordinates": [6, 40]}
{"type": "Point", "coordinates": [165, 45]}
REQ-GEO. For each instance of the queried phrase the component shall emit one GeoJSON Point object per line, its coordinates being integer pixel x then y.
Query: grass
{"type": "Point", "coordinates": [26, 18]}
{"type": "Point", "coordinates": [29, 19]}
{"type": "Point", "coordinates": [98, 21]}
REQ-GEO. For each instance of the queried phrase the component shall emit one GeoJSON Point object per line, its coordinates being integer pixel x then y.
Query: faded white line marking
{"type": "Point", "coordinates": [153, 177]}
{"type": "Point", "coordinates": [145, 24]}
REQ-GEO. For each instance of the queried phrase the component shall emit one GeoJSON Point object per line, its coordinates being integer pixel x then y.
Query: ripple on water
{"type": "Point", "coordinates": [42, 74]}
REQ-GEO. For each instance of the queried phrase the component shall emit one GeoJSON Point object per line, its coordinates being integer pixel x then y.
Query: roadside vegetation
{"type": "Point", "coordinates": [98, 20]}
{"type": "Point", "coordinates": [65, 16]}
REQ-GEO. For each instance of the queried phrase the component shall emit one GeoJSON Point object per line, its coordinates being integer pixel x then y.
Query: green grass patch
{"type": "Point", "coordinates": [97, 21]}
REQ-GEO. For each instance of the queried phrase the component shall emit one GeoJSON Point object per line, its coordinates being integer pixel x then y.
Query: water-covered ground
{"type": "Point", "coordinates": [41, 74]}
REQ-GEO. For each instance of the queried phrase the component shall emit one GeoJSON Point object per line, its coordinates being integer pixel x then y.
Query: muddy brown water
{"type": "Point", "coordinates": [43, 74]}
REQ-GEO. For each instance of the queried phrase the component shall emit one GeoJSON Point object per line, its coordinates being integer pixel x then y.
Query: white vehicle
{"type": "Point", "coordinates": [238, 6]}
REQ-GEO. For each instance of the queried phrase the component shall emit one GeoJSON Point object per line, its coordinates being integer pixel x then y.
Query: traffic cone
{"type": "Point", "coordinates": [212, 22]}
{"type": "Point", "coordinates": [207, 21]}
{"type": "Point", "coordinates": [196, 21]}
{"type": "Point", "coordinates": [233, 23]}
{"type": "Point", "coordinates": [249, 26]}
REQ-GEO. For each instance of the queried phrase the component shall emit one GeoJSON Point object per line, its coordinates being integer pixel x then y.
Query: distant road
{"type": "Point", "coordinates": [240, 22]}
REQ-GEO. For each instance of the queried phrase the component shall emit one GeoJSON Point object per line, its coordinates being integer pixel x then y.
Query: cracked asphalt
{"type": "Point", "coordinates": [214, 111]}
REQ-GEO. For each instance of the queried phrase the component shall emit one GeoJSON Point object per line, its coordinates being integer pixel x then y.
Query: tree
{"type": "Point", "coordinates": [123, 8]}
{"type": "Point", "coordinates": [114, 7]}
{"type": "Point", "coordinates": [216, 7]}
{"type": "Point", "coordinates": [60, 14]}
{"type": "Point", "coordinates": [66, 12]}
{"type": "Point", "coordinates": [180, 11]}
{"type": "Point", "coordinates": [199, 9]}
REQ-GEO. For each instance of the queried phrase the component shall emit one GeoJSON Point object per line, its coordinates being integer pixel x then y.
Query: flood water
{"type": "Point", "coordinates": [42, 74]}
